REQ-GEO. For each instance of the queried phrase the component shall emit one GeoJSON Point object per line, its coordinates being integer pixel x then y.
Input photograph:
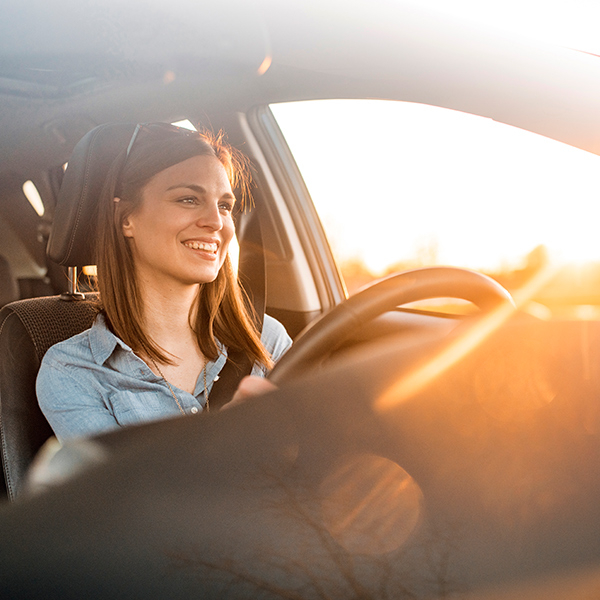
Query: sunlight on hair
{"type": "Point", "coordinates": [370, 505]}
{"type": "Point", "coordinates": [412, 383]}
{"type": "Point", "coordinates": [32, 194]}
{"type": "Point", "coordinates": [234, 254]}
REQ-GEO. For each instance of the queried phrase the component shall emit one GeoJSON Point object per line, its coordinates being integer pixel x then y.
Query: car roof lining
{"type": "Point", "coordinates": [143, 72]}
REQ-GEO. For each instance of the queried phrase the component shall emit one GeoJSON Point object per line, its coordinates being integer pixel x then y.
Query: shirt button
{"type": "Point", "coordinates": [216, 378]}
{"type": "Point", "coordinates": [194, 410]}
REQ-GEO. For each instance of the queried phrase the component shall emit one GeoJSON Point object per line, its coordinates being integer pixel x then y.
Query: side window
{"type": "Point", "coordinates": [401, 185]}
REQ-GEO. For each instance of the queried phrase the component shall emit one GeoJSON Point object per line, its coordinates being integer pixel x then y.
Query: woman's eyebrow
{"type": "Point", "coordinates": [199, 189]}
{"type": "Point", "coordinates": [191, 186]}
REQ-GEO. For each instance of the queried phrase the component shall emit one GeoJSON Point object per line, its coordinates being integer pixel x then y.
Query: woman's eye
{"type": "Point", "coordinates": [189, 200]}
{"type": "Point", "coordinates": [226, 206]}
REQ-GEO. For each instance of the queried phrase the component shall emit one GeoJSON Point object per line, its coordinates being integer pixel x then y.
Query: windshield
{"type": "Point", "coordinates": [403, 185]}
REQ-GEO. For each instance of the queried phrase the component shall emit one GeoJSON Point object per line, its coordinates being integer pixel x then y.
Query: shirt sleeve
{"type": "Point", "coordinates": [73, 406]}
{"type": "Point", "coordinates": [276, 341]}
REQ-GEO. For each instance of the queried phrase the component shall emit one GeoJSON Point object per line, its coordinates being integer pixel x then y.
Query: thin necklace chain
{"type": "Point", "coordinates": [206, 405]}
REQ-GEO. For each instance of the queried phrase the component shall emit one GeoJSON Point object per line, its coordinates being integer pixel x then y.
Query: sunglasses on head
{"type": "Point", "coordinates": [158, 127]}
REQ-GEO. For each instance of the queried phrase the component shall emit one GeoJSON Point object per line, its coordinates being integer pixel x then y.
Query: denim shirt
{"type": "Point", "coordinates": [93, 382]}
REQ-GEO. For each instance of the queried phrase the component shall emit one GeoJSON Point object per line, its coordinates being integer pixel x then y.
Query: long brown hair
{"type": "Point", "coordinates": [222, 311]}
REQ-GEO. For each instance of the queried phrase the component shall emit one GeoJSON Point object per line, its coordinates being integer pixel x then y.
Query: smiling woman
{"type": "Point", "coordinates": [171, 307]}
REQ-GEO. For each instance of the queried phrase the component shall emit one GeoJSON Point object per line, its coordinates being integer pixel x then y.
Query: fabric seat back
{"type": "Point", "coordinates": [27, 329]}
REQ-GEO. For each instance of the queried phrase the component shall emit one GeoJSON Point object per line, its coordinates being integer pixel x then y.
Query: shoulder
{"type": "Point", "coordinates": [77, 347]}
{"type": "Point", "coordinates": [60, 372]}
{"type": "Point", "coordinates": [70, 369]}
{"type": "Point", "coordinates": [65, 366]}
{"type": "Point", "coordinates": [275, 338]}
{"type": "Point", "coordinates": [93, 345]}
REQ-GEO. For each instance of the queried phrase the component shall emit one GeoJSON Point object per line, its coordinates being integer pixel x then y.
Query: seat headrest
{"type": "Point", "coordinates": [71, 241]}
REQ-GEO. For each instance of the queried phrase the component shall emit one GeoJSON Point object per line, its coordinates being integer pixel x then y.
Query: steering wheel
{"type": "Point", "coordinates": [330, 330]}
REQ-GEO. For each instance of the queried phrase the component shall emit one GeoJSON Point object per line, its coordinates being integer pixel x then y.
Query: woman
{"type": "Point", "coordinates": [170, 302]}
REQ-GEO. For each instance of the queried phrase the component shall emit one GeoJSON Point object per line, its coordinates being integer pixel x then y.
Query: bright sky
{"type": "Point", "coordinates": [473, 192]}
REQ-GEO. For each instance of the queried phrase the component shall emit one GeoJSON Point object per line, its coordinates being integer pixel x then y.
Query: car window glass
{"type": "Point", "coordinates": [401, 185]}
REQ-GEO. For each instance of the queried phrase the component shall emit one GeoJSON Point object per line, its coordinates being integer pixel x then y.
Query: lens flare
{"type": "Point", "coordinates": [265, 64]}
{"type": "Point", "coordinates": [370, 505]}
{"type": "Point", "coordinates": [412, 383]}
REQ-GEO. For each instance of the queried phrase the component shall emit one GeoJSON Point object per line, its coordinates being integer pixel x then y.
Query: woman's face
{"type": "Point", "coordinates": [180, 231]}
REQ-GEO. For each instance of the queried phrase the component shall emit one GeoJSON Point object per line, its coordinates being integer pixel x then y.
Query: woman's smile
{"type": "Point", "coordinates": [207, 247]}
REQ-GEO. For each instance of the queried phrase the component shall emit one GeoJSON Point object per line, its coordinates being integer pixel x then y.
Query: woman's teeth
{"type": "Point", "coordinates": [207, 247]}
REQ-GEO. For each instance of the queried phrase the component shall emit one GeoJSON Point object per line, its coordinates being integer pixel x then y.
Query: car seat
{"type": "Point", "coordinates": [29, 327]}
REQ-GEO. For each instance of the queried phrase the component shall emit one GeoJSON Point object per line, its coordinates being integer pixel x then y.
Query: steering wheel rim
{"type": "Point", "coordinates": [330, 330]}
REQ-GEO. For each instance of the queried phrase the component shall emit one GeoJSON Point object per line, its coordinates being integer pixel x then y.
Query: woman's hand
{"type": "Point", "coordinates": [251, 385]}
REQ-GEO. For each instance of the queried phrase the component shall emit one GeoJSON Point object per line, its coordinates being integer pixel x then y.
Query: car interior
{"type": "Point", "coordinates": [300, 274]}
{"type": "Point", "coordinates": [476, 437]}
{"type": "Point", "coordinates": [31, 326]}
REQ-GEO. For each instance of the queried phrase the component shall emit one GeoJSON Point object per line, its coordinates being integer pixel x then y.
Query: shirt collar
{"type": "Point", "coordinates": [103, 341]}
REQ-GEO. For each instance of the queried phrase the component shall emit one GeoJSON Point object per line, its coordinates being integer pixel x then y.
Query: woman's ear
{"type": "Point", "coordinates": [126, 227]}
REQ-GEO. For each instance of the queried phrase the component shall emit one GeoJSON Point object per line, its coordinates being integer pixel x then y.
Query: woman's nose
{"type": "Point", "coordinates": [211, 217]}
